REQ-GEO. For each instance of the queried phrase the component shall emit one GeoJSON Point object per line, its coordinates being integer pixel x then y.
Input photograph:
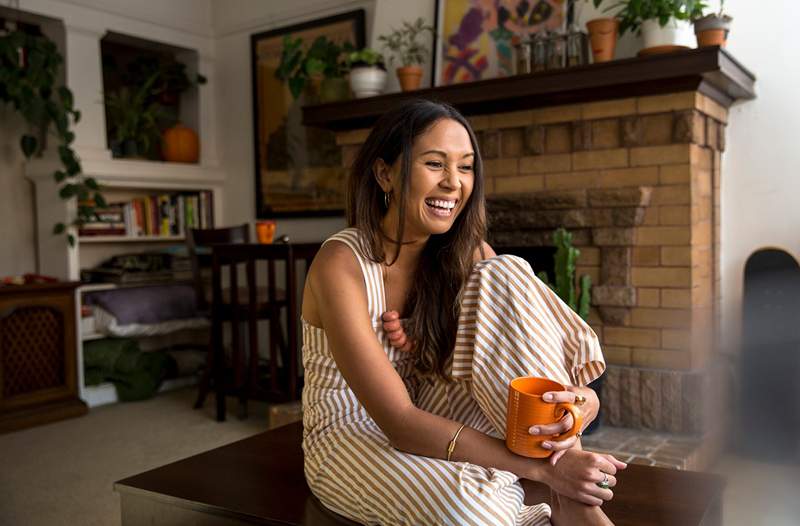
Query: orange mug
{"type": "Point", "coordinates": [526, 408]}
{"type": "Point", "coordinates": [265, 231]}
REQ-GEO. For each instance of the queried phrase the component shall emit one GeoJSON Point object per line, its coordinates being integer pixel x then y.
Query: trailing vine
{"type": "Point", "coordinates": [29, 72]}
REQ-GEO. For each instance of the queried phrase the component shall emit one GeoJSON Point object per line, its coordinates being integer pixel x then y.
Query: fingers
{"type": "Point", "coordinates": [559, 396]}
{"type": "Point", "coordinates": [605, 465]}
{"type": "Point", "coordinates": [555, 456]}
{"type": "Point", "coordinates": [562, 426]}
{"type": "Point", "coordinates": [617, 463]}
{"type": "Point", "coordinates": [560, 445]}
{"type": "Point", "coordinates": [390, 315]}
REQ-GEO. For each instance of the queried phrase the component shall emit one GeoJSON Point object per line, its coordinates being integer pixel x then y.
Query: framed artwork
{"type": "Point", "coordinates": [299, 169]}
{"type": "Point", "coordinates": [473, 37]}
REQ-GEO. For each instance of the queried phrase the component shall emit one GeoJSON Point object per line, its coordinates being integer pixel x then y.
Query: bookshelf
{"type": "Point", "coordinates": [121, 180]}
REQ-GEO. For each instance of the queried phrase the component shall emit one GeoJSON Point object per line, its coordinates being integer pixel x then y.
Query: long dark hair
{"type": "Point", "coordinates": [434, 297]}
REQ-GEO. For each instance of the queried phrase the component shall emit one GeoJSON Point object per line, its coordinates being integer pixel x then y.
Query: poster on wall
{"type": "Point", "coordinates": [474, 36]}
{"type": "Point", "coordinates": [298, 169]}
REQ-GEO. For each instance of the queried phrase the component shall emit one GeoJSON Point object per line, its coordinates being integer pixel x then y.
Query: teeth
{"type": "Point", "coordinates": [441, 204]}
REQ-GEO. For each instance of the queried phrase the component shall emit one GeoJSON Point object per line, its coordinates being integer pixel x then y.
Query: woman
{"type": "Point", "coordinates": [396, 433]}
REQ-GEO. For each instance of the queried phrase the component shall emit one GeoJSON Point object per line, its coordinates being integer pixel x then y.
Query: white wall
{"type": "Point", "coordinates": [761, 164]}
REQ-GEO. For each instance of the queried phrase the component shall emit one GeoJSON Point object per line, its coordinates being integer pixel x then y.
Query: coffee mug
{"type": "Point", "coordinates": [526, 408]}
{"type": "Point", "coordinates": [265, 231]}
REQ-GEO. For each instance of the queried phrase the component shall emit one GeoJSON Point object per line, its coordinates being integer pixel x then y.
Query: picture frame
{"type": "Point", "coordinates": [473, 39]}
{"type": "Point", "coordinates": [293, 179]}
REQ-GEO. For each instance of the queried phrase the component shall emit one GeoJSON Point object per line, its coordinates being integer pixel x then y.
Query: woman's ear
{"type": "Point", "coordinates": [382, 175]}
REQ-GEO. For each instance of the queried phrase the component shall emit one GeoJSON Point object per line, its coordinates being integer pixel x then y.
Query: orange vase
{"type": "Point", "coordinates": [603, 37]}
{"type": "Point", "coordinates": [410, 77]}
{"type": "Point", "coordinates": [180, 144]}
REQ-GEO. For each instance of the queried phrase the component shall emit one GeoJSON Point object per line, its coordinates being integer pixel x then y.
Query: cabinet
{"type": "Point", "coordinates": [38, 355]}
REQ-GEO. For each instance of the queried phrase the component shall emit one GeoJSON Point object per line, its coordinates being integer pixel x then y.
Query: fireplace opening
{"type": "Point", "coordinates": [769, 409]}
{"type": "Point", "coordinates": [540, 258]}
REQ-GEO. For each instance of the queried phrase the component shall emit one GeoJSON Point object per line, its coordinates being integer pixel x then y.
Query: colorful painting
{"type": "Point", "coordinates": [298, 169]}
{"type": "Point", "coordinates": [474, 36]}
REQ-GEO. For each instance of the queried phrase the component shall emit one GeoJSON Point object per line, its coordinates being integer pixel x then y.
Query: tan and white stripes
{"type": "Point", "coordinates": [510, 325]}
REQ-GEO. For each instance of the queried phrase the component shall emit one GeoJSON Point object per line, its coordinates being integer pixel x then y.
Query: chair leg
{"type": "Point", "coordinates": [205, 379]}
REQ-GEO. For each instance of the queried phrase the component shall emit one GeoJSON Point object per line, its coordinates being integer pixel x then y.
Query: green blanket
{"type": "Point", "coordinates": [136, 375]}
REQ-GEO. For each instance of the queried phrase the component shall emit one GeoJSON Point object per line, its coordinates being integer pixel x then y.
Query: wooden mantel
{"type": "Point", "coordinates": [711, 71]}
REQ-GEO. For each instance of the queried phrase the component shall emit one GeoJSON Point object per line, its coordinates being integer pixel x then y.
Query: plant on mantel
{"type": "Point", "coordinates": [29, 71]}
{"type": "Point", "coordinates": [634, 12]}
{"type": "Point", "coordinates": [403, 45]}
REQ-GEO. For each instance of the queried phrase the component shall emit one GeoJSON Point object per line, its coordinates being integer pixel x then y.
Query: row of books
{"type": "Point", "coordinates": [154, 215]}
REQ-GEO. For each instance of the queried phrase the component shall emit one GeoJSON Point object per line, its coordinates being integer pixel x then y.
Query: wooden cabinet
{"type": "Point", "coordinates": [38, 355]}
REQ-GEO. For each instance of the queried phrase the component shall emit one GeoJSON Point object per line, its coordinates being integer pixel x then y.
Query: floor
{"type": "Point", "coordinates": [63, 473]}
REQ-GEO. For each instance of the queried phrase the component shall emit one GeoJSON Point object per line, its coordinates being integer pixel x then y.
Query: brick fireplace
{"type": "Point", "coordinates": [636, 181]}
{"type": "Point", "coordinates": [633, 171]}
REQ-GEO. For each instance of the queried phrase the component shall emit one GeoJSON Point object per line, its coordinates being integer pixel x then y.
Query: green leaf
{"type": "Point", "coordinates": [71, 240]}
{"type": "Point", "coordinates": [59, 228]}
{"type": "Point", "coordinates": [67, 191]}
{"type": "Point", "coordinates": [66, 97]}
{"type": "Point", "coordinates": [76, 115]}
{"type": "Point", "coordinates": [100, 200]}
{"type": "Point", "coordinates": [91, 183]}
{"type": "Point", "coordinates": [28, 143]}
{"type": "Point", "coordinates": [296, 86]}
{"type": "Point", "coordinates": [59, 176]}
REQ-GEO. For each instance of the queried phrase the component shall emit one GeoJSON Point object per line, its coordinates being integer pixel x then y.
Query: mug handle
{"type": "Point", "coordinates": [577, 418]}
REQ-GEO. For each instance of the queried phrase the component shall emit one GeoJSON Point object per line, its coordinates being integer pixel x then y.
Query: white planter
{"type": "Point", "coordinates": [675, 33]}
{"type": "Point", "coordinates": [367, 81]}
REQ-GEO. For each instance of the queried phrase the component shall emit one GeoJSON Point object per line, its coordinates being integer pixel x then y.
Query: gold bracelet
{"type": "Point", "coordinates": [452, 445]}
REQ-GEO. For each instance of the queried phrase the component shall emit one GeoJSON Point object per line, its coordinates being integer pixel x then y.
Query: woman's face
{"type": "Point", "coordinates": [442, 179]}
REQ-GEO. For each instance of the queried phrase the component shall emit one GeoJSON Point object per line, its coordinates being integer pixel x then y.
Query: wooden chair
{"type": "Point", "coordinates": [231, 257]}
{"type": "Point", "coordinates": [266, 305]}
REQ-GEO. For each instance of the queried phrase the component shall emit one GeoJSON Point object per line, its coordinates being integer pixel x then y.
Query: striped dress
{"type": "Point", "coordinates": [510, 325]}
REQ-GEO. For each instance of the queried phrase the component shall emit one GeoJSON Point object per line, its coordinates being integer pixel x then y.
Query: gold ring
{"type": "Point", "coordinates": [580, 400]}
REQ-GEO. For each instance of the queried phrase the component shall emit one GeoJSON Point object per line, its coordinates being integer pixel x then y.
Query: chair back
{"type": "Point", "coordinates": [197, 245]}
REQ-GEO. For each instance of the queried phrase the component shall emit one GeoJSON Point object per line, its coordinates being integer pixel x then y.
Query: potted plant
{"type": "Point", "coordinates": [713, 29]}
{"type": "Point", "coordinates": [367, 72]}
{"type": "Point", "coordinates": [665, 25]}
{"type": "Point", "coordinates": [134, 119]}
{"type": "Point", "coordinates": [171, 77]}
{"type": "Point", "coordinates": [30, 67]}
{"type": "Point", "coordinates": [321, 69]}
{"type": "Point", "coordinates": [403, 44]}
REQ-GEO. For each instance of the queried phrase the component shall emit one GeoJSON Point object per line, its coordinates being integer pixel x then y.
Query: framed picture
{"type": "Point", "coordinates": [298, 169]}
{"type": "Point", "coordinates": [473, 37]}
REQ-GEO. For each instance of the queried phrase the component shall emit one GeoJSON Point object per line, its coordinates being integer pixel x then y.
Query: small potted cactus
{"type": "Point", "coordinates": [565, 257]}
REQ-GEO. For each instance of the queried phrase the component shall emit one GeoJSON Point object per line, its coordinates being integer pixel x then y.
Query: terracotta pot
{"type": "Point", "coordinates": [180, 144]}
{"type": "Point", "coordinates": [712, 30]}
{"type": "Point", "coordinates": [603, 38]}
{"type": "Point", "coordinates": [711, 37]}
{"type": "Point", "coordinates": [410, 77]}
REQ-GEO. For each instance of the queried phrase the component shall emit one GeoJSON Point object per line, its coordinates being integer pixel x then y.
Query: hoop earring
{"type": "Point", "coordinates": [387, 196]}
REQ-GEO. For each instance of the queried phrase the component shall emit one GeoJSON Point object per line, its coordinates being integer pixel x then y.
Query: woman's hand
{"type": "Point", "coordinates": [395, 332]}
{"type": "Point", "coordinates": [578, 473]}
{"type": "Point", "coordinates": [589, 410]}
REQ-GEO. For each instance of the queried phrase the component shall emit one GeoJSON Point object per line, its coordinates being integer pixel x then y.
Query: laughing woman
{"type": "Point", "coordinates": [396, 433]}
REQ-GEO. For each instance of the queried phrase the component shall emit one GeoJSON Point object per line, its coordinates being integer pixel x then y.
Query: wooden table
{"type": "Point", "coordinates": [260, 480]}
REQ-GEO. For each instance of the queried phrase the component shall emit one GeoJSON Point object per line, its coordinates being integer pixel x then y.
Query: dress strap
{"type": "Point", "coordinates": [373, 275]}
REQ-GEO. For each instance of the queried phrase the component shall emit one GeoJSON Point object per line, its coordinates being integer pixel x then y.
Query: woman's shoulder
{"type": "Point", "coordinates": [338, 257]}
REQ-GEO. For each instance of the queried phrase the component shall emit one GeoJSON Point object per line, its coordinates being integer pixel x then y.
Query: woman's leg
{"type": "Point", "coordinates": [511, 324]}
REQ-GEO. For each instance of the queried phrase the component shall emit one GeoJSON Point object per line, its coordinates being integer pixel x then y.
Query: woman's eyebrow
{"type": "Point", "coordinates": [444, 154]}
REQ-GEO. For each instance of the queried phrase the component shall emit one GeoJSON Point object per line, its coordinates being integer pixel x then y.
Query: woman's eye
{"type": "Point", "coordinates": [434, 164]}
{"type": "Point", "coordinates": [467, 167]}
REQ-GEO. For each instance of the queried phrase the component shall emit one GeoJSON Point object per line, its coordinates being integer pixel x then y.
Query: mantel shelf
{"type": "Point", "coordinates": [711, 71]}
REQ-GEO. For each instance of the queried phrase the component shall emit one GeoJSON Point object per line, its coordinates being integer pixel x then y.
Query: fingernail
{"type": "Point", "coordinates": [548, 397]}
{"type": "Point", "coordinates": [546, 445]}
{"type": "Point", "coordinates": [534, 430]}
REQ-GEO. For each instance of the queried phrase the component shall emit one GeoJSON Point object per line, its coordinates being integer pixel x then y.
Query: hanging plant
{"type": "Point", "coordinates": [31, 87]}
